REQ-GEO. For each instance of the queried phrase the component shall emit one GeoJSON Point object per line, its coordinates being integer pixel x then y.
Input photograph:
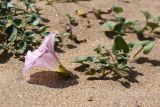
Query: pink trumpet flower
{"type": "Point", "coordinates": [45, 57]}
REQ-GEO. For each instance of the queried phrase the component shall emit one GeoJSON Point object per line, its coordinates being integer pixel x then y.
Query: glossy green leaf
{"type": "Point", "coordinates": [120, 45]}
{"type": "Point", "coordinates": [11, 33]}
{"type": "Point", "coordinates": [119, 27]}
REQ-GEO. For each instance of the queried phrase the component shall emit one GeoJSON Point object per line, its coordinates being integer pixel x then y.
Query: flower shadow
{"type": "Point", "coordinates": [52, 80]}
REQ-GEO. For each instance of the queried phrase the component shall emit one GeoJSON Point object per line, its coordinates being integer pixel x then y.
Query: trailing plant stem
{"type": "Point", "coordinates": [138, 52]}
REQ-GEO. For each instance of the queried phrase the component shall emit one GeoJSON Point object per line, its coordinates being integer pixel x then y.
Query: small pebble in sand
{"type": "Point", "coordinates": [90, 99]}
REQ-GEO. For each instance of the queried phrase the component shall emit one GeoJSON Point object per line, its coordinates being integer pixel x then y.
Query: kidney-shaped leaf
{"type": "Point", "coordinates": [147, 48]}
{"type": "Point", "coordinates": [117, 9]}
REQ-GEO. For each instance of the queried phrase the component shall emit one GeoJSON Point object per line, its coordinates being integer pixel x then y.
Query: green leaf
{"type": "Point", "coordinates": [104, 61]}
{"type": "Point", "coordinates": [122, 58]}
{"type": "Point", "coordinates": [97, 13]}
{"type": "Point", "coordinates": [28, 4]}
{"type": "Point", "coordinates": [133, 44]}
{"type": "Point", "coordinates": [30, 36]}
{"type": "Point", "coordinates": [44, 34]}
{"type": "Point", "coordinates": [34, 19]}
{"type": "Point", "coordinates": [92, 59]}
{"type": "Point", "coordinates": [22, 45]}
{"type": "Point", "coordinates": [144, 42]}
{"type": "Point", "coordinates": [17, 22]}
{"type": "Point", "coordinates": [1, 46]}
{"type": "Point", "coordinates": [139, 31]}
{"type": "Point", "coordinates": [99, 48]}
{"type": "Point", "coordinates": [72, 20]}
{"type": "Point", "coordinates": [42, 29]}
{"type": "Point", "coordinates": [80, 59]}
{"type": "Point", "coordinates": [120, 45]}
{"type": "Point", "coordinates": [119, 28]}
{"type": "Point", "coordinates": [10, 5]}
{"type": "Point", "coordinates": [120, 18]}
{"type": "Point", "coordinates": [66, 34]}
{"type": "Point", "coordinates": [11, 33]}
{"type": "Point", "coordinates": [117, 9]}
{"type": "Point", "coordinates": [3, 22]}
{"type": "Point", "coordinates": [152, 25]}
{"type": "Point", "coordinates": [130, 23]}
{"type": "Point", "coordinates": [109, 25]}
{"type": "Point", "coordinates": [147, 15]}
{"type": "Point", "coordinates": [90, 72]}
{"type": "Point", "coordinates": [57, 40]}
{"type": "Point", "coordinates": [157, 18]}
{"type": "Point", "coordinates": [6, 5]}
{"type": "Point", "coordinates": [147, 48]}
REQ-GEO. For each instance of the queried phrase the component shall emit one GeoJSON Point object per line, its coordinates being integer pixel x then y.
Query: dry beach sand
{"type": "Point", "coordinates": [45, 89]}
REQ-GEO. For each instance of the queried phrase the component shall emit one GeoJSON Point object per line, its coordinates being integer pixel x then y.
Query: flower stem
{"type": "Point", "coordinates": [137, 53]}
{"type": "Point", "coordinates": [63, 72]}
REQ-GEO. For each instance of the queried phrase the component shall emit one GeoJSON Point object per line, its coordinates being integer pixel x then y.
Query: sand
{"type": "Point", "coordinates": [45, 89]}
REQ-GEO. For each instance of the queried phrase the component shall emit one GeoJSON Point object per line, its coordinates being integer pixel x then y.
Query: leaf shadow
{"type": "Point", "coordinates": [143, 60]}
{"type": "Point", "coordinates": [5, 57]}
{"type": "Point", "coordinates": [126, 82]}
{"type": "Point", "coordinates": [143, 37]}
{"type": "Point", "coordinates": [70, 46]}
{"type": "Point", "coordinates": [82, 68]}
{"type": "Point", "coordinates": [110, 34]}
{"type": "Point", "coordinates": [59, 50]}
{"type": "Point", "coordinates": [45, 20]}
{"type": "Point", "coordinates": [157, 34]}
{"type": "Point", "coordinates": [52, 80]}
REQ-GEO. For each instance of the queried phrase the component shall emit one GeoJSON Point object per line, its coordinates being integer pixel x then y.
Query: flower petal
{"type": "Point", "coordinates": [44, 57]}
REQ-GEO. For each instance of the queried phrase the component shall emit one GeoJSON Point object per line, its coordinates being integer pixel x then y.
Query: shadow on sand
{"type": "Point", "coordinates": [52, 80]}
{"type": "Point", "coordinates": [143, 60]}
{"type": "Point", "coordinates": [5, 57]}
{"type": "Point", "coordinates": [126, 82]}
